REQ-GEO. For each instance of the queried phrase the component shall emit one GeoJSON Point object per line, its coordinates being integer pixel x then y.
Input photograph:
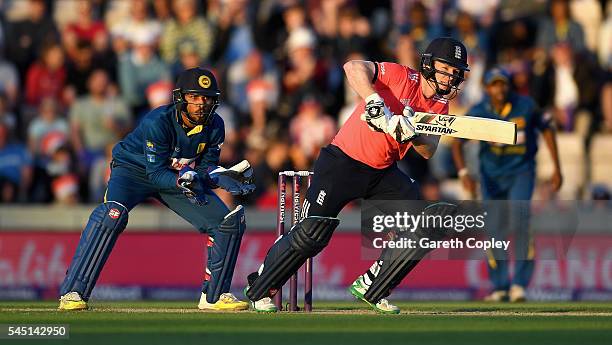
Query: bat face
{"type": "Point", "coordinates": [466, 127]}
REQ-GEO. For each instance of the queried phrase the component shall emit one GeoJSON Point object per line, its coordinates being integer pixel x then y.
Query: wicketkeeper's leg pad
{"type": "Point", "coordinates": [223, 249]}
{"type": "Point", "coordinates": [395, 264]}
{"type": "Point", "coordinates": [106, 223]}
{"type": "Point", "coordinates": [306, 239]}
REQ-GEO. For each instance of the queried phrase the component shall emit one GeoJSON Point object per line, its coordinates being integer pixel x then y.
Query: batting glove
{"type": "Point", "coordinates": [401, 127]}
{"type": "Point", "coordinates": [376, 114]}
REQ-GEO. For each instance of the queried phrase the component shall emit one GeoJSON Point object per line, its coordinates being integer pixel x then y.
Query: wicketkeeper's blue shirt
{"type": "Point", "coordinates": [160, 146]}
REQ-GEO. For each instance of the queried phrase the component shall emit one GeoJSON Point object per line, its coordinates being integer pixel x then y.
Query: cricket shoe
{"type": "Point", "coordinates": [72, 301]}
{"type": "Point", "coordinates": [359, 288]}
{"type": "Point", "coordinates": [497, 296]}
{"type": "Point", "coordinates": [517, 294]}
{"type": "Point", "coordinates": [226, 302]}
{"type": "Point", "coordinates": [263, 305]}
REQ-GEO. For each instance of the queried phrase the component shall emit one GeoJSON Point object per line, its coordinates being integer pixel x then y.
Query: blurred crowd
{"type": "Point", "coordinates": [76, 76]}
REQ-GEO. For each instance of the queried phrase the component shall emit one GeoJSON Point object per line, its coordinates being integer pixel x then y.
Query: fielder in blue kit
{"type": "Point", "coordinates": [507, 172]}
{"type": "Point", "coordinates": [172, 156]}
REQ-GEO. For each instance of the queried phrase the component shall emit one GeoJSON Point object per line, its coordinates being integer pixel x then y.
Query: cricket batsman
{"type": "Point", "coordinates": [361, 163]}
{"type": "Point", "coordinates": [171, 156]}
{"type": "Point", "coordinates": [507, 172]}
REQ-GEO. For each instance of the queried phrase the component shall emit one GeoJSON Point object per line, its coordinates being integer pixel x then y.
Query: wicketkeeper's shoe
{"type": "Point", "coordinates": [226, 302]}
{"type": "Point", "coordinates": [264, 305]}
{"type": "Point", "coordinates": [72, 301]}
{"type": "Point", "coordinates": [359, 288]}
{"type": "Point", "coordinates": [497, 296]}
{"type": "Point", "coordinates": [517, 294]}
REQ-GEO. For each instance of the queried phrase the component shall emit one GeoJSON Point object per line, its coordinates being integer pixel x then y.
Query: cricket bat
{"type": "Point", "coordinates": [466, 127]}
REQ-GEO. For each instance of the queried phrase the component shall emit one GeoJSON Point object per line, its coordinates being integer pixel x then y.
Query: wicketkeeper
{"type": "Point", "coordinates": [172, 156]}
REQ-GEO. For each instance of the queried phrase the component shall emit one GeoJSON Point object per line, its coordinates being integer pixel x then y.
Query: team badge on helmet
{"type": "Point", "coordinates": [197, 81]}
{"type": "Point", "coordinates": [204, 81]}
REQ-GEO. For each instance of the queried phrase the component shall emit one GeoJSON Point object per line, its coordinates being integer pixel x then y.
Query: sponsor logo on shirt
{"type": "Point", "coordinates": [151, 158]}
{"type": "Point", "coordinates": [201, 147]}
{"type": "Point", "coordinates": [180, 163]}
{"type": "Point", "coordinates": [150, 146]}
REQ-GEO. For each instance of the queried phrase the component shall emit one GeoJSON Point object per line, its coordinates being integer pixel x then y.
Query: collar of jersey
{"type": "Point", "coordinates": [195, 130]}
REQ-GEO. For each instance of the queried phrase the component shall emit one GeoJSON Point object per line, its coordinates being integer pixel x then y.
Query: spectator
{"type": "Point", "coordinates": [188, 58]}
{"type": "Point", "coordinates": [48, 121]}
{"type": "Point", "coordinates": [64, 182]}
{"type": "Point", "coordinates": [7, 118]}
{"type": "Point", "coordinates": [310, 130]}
{"type": "Point", "coordinates": [15, 168]}
{"type": "Point", "coordinates": [97, 120]}
{"type": "Point", "coordinates": [306, 75]}
{"type": "Point", "coordinates": [47, 77]}
{"type": "Point", "coordinates": [187, 26]}
{"type": "Point", "coordinates": [353, 33]}
{"type": "Point", "coordinates": [466, 30]}
{"type": "Point", "coordinates": [158, 94]}
{"type": "Point", "coordinates": [137, 24]}
{"type": "Point", "coordinates": [606, 104]}
{"type": "Point", "coordinates": [588, 14]}
{"type": "Point", "coordinates": [9, 80]}
{"type": "Point", "coordinates": [258, 86]}
{"type": "Point", "coordinates": [605, 41]}
{"type": "Point", "coordinates": [162, 11]}
{"type": "Point", "coordinates": [419, 27]}
{"type": "Point", "coordinates": [406, 53]}
{"type": "Point", "coordinates": [139, 69]}
{"type": "Point", "coordinates": [85, 29]}
{"type": "Point", "coordinates": [80, 67]}
{"type": "Point", "coordinates": [276, 159]}
{"type": "Point", "coordinates": [559, 28]}
{"type": "Point", "coordinates": [25, 38]}
{"type": "Point", "coordinates": [569, 89]}
{"type": "Point", "coordinates": [234, 39]}
{"type": "Point", "coordinates": [484, 10]}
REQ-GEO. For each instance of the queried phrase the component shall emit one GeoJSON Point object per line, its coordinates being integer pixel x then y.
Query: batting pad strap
{"type": "Point", "coordinates": [106, 223]}
{"type": "Point", "coordinates": [223, 253]}
{"type": "Point", "coordinates": [306, 239]}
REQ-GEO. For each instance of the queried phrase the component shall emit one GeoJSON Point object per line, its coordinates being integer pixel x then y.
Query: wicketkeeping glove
{"type": "Point", "coordinates": [376, 114]}
{"type": "Point", "coordinates": [238, 180]}
{"type": "Point", "coordinates": [401, 127]}
{"type": "Point", "coordinates": [190, 184]}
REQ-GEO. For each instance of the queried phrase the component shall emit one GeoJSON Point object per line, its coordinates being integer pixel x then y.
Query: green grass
{"type": "Point", "coordinates": [334, 323]}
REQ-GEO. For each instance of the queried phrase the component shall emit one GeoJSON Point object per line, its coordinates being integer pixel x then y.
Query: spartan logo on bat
{"type": "Point", "coordinates": [437, 125]}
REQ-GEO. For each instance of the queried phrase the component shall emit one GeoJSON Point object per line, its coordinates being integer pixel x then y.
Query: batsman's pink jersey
{"type": "Point", "coordinates": [398, 85]}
